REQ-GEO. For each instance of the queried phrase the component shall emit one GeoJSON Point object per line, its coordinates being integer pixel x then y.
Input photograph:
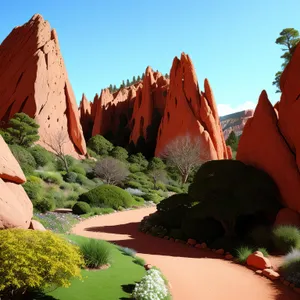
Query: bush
{"type": "Point", "coordinates": [101, 211]}
{"type": "Point", "coordinates": [151, 197]}
{"type": "Point", "coordinates": [44, 205]}
{"type": "Point", "coordinates": [100, 145]}
{"type": "Point", "coordinates": [291, 268]}
{"type": "Point", "coordinates": [34, 190]}
{"type": "Point", "coordinates": [24, 157]}
{"type": "Point", "coordinates": [261, 236]}
{"type": "Point", "coordinates": [35, 259]}
{"type": "Point", "coordinates": [81, 208]}
{"type": "Point", "coordinates": [82, 180]}
{"type": "Point", "coordinates": [96, 253]}
{"type": "Point", "coordinates": [176, 233]}
{"type": "Point", "coordinates": [152, 286]}
{"type": "Point", "coordinates": [51, 177]}
{"type": "Point", "coordinates": [119, 153]}
{"type": "Point", "coordinates": [72, 196]}
{"type": "Point", "coordinates": [60, 166]}
{"type": "Point", "coordinates": [264, 251]}
{"type": "Point", "coordinates": [108, 195]}
{"type": "Point", "coordinates": [139, 160]}
{"type": "Point", "coordinates": [174, 189]}
{"type": "Point", "coordinates": [133, 184]}
{"type": "Point", "coordinates": [128, 251]}
{"type": "Point", "coordinates": [139, 261]}
{"type": "Point", "coordinates": [134, 192]}
{"type": "Point", "coordinates": [242, 254]}
{"type": "Point", "coordinates": [41, 155]}
{"type": "Point", "coordinates": [133, 168]}
{"type": "Point", "coordinates": [70, 177]}
{"type": "Point", "coordinates": [286, 238]}
{"type": "Point", "coordinates": [77, 169]}
{"type": "Point", "coordinates": [92, 153]}
{"type": "Point", "coordinates": [69, 204]}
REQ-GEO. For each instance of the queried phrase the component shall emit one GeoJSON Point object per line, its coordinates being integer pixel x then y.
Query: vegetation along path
{"type": "Point", "coordinates": [192, 273]}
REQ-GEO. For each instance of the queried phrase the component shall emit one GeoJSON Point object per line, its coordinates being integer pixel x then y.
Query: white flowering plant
{"type": "Point", "coordinates": [151, 287]}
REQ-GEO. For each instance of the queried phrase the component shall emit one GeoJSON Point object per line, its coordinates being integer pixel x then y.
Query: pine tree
{"type": "Point", "coordinates": [232, 141]}
{"type": "Point", "coordinates": [133, 80]}
{"type": "Point", "coordinates": [127, 83]}
{"type": "Point", "coordinates": [110, 88]}
{"type": "Point", "coordinates": [143, 75]}
{"type": "Point", "coordinates": [139, 78]}
{"type": "Point", "coordinates": [167, 75]}
{"type": "Point", "coordinates": [114, 88]}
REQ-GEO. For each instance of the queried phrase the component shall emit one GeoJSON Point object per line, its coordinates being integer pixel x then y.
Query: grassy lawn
{"type": "Point", "coordinates": [111, 283]}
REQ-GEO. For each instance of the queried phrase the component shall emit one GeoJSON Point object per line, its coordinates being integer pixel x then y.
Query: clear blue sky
{"type": "Point", "coordinates": [232, 42]}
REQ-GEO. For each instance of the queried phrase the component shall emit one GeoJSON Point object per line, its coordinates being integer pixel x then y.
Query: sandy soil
{"type": "Point", "coordinates": [193, 274]}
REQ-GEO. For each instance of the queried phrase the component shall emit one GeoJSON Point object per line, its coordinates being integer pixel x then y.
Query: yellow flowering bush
{"type": "Point", "coordinates": [36, 259]}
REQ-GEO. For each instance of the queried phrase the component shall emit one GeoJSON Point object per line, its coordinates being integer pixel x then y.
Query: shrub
{"type": "Point", "coordinates": [35, 259]}
{"type": "Point", "coordinates": [133, 184]}
{"type": "Point", "coordinates": [286, 238]}
{"type": "Point", "coordinates": [261, 236]}
{"type": "Point", "coordinates": [119, 153]}
{"type": "Point", "coordinates": [51, 177]}
{"type": "Point", "coordinates": [24, 157]}
{"type": "Point", "coordinates": [264, 251]}
{"type": "Point", "coordinates": [65, 186]}
{"type": "Point", "coordinates": [101, 210]}
{"type": "Point", "coordinates": [139, 261]}
{"type": "Point", "coordinates": [128, 251]}
{"type": "Point", "coordinates": [92, 153]}
{"type": "Point", "coordinates": [41, 155]}
{"type": "Point", "coordinates": [44, 205]}
{"type": "Point", "coordinates": [161, 186]}
{"type": "Point", "coordinates": [70, 177]}
{"type": "Point", "coordinates": [176, 233]}
{"type": "Point", "coordinates": [60, 166]}
{"type": "Point", "coordinates": [77, 169]}
{"type": "Point", "coordinates": [134, 192]}
{"type": "Point", "coordinates": [133, 168]}
{"type": "Point", "coordinates": [34, 179]}
{"type": "Point", "coordinates": [242, 254]}
{"type": "Point", "coordinates": [81, 208]}
{"type": "Point", "coordinates": [139, 160]}
{"type": "Point", "coordinates": [151, 197]}
{"type": "Point", "coordinates": [69, 204]}
{"type": "Point", "coordinates": [82, 180]}
{"type": "Point", "coordinates": [291, 267]}
{"type": "Point", "coordinates": [34, 190]}
{"type": "Point", "coordinates": [100, 145]}
{"type": "Point", "coordinates": [96, 253]}
{"type": "Point", "coordinates": [72, 197]}
{"type": "Point", "coordinates": [108, 195]}
{"type": "Point", "coordinates": [152, 286]}
{"type": "Point", "coordinates": [174, 189]}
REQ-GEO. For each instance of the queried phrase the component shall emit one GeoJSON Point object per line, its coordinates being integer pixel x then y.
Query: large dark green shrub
{"type": "Point", "coordinates": [107, 195]}
{"type": "Point", "coordinates": [119, 153]}
{"type": "Point", "coordinates": [44, 205]}
{"type": "Point", "coordinates": [70, 177]}
{"type": "Point", "coordinates": [41, 155]}
{"type": "Point", "coordinates": [151, 197]}
{"type": "Point", "coordinates": [24, 157]}
{"type": "Point", "coordinates": [286, 238]}
{"type": "Point", "coordinates": [78, 169]}
{"type": "Point", "coordinates": [100, 145]}
{"type": "Point", "coordinates": [138, 159]}
{"type": "Point", "coordinates": [228, 189]}
{"type": "Point", "coordinates": [81, 208]}
{"type": "Point", "coordinates": [34, 190]}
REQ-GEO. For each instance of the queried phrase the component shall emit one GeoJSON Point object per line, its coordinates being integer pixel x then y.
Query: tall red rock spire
{"type": "Point", "coordinates": [34, 80]}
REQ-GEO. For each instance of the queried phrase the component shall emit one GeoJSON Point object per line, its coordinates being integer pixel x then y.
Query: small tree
{"type": "Point", "coordinates": [114, 88]}
{"type": "Point", "coordinates": [57, 143]}
{"type": "Point", "coordinates": [158, 175]}
{"type": "Point", "coordinates": [185, 153]}
{"type": "Point", "coordinates": [133, 80]}
{"type": "Point", "coordinates": [139, 78]}
{"type": "Point", "coordinates": [127, 83]}
{"type": "Point", "coordinates": [111, 170]}
{"type": "Point", "coordinates": [232, 141]}
{"type": "Point", "coordinates": [22, 130]}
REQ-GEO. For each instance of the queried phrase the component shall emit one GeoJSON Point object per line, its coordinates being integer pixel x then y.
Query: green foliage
{"type": "Point", "coordinates": [34, 190]}
{"type": "Point", "coordinates": [107, 195]}
{"type": "Point", "coordinates": [96, 253]}
{"type": "Point", "coordinates": [78, 169]}
{"type": "Point", "coordinates": [242, 254]}
{"type": "Point", "coordinates": [82, 180]}
{"type": "Point", "coordinates": [69, 203]}
{"type": "Point", "coordinates": [174, 189]}
{"type": "Point", "coordinates": [41, 155]}
{"type": "Point", "coordinates": [228, 189]}
{"type": "Point", "coordinates": [22, 130]}
{"type": "Point", "coordinates": [139, 159]}
{"type": "Point", "coordinates": [70, 177]}
{"type": "Point", "coordinates": [100, 145]}
{"type": "Point", "coordinates": [289, 38]}
{"type": "Point", "coordinates": [133, 168]}
{"type": "Point", "coordinates": [73, 196]}
{"type": "Point", "coordinates": [151, 197]}
{"type": "Point", "coordinates": [60, 166]}
{"type": "Point", "coordinates": [133, 184]}
{"type": "Point", "coordinates": [232, 141]}
{"type": "Point", "coordinates": [139, 261]}
{"type": "Point", "coordinates": [35, 259]}
{"type": "Point", "coordinates": [264, 251]}
{"type": "Point", "coordinates": [24, 157]}
{"type": "Point", "coordinates": [81, 208]}
{"type": "Point", "coordinates": [44, 205]}
{"type": "Point", "coordinates": [119, 153]}
{"type": "Point", "coordinates": [92, 153]}
{"type": "Point", "coordinates": [290, 268]}
{"type": "Point", "coordinates": [286, 238]}
{"type": "Point", "coordinates": [156, 164]}
{"type": "Point", "coordinates": [261, 236]}
{"type": "Point", "coordinates": [51, 177]}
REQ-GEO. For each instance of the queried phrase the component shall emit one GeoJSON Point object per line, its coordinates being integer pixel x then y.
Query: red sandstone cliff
{"type": "Point", "coordinates": [34, 80]}
{"type": "Point", "coordinates": [271, 138]}
{"type": "Point", "coordinates": [190, 111]}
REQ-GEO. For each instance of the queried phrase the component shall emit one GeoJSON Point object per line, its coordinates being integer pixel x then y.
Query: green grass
{"type": "Point", "coordinates": [102, 284]}
{"type": "Point", "coordinates": [242, 254]}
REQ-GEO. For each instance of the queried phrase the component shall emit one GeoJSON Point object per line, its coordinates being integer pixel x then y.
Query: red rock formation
{"type": "Point", "coordinates": [287, 216]}
{"type": "Point", "coordinates": [15, 206]}
{"type": "Point", "coordinates": [263, 146]}
{"type": "Point", "coordinates": [188, 111]}
{"type": "Point", "coordinates": [34, 80]}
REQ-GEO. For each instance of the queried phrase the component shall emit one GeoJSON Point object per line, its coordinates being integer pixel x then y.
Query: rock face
{"type": "Point", "coordinates": [235, 122]}
{"type": "Point", "coordinates": [15, 206]}
{"type": "Point", "coordinates": [271, 138]}
{"type": "Point", "coordinates": [190, 111]}
{"type": "Point", "coordinates": [85, 113]}
{"type": "Point", "coordinates": [34, 80]}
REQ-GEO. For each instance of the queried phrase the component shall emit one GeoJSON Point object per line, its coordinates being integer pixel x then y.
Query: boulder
{"type": "Point", "coordinates": [34, 80]}
{"type": "Point", "coordinates": [220, 251]}
{"type": "Point", "coordinates": [35, 225]}
{"type": "Point", "coordinates": [271, 274]}
{"type": "Point", "coordinates": [258, 261]}
{"type": "Point", "coordinates": [191, 242]}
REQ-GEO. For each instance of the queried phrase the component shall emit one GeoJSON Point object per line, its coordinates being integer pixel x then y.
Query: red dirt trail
{"type": "Point", "coordinates": [193, 274]}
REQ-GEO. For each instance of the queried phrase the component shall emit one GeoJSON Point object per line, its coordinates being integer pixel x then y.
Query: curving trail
{"type": "Point", "coordinates": [193, 274]}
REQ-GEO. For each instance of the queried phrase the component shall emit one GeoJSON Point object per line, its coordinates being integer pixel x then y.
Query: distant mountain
{"type": "Point", "coordinates": [235, 122]}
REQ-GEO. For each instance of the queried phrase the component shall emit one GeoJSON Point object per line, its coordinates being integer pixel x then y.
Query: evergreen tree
{"type": "Point", "coordinates": [22, 130]}
{"type": "Point", "coordinates": [232, 141]}
{"type": "Point", "coordinates": [133, 80]}
{"type": "Point", "coordinates": [167, 75]}
{"type": "Point", "coordinates": [289, 37]}
{"type": "Point", "coordinates": [110, 88]}
{"type": "Point", "coordinates": [143, 75]}
{"type": "Point", "coordinates": [127, 83]}
{"type": "Point", "coordinates": [114, 88]}
{"type": "Point", "coordinates": [139, 78]}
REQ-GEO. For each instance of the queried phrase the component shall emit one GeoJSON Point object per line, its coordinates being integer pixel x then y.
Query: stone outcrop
{"type": "Point", "coordinates": [271, 138]}
{"type": "Point", "coordinates": [15, 206]}
{"type": "Point", "coordinates": [235, 122]}
{"type": "Point", "coordinates": [191, 112]}
{"type": "Point", "coordinates": [34, 80]}
{"type": "Point", "coordinates": [258, 261]}
{"type": "Point", "coordinates": [85, 113]}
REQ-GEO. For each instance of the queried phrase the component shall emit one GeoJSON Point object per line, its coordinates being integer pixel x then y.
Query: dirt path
{"type": "Point", "coordinates": [193, 274]}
